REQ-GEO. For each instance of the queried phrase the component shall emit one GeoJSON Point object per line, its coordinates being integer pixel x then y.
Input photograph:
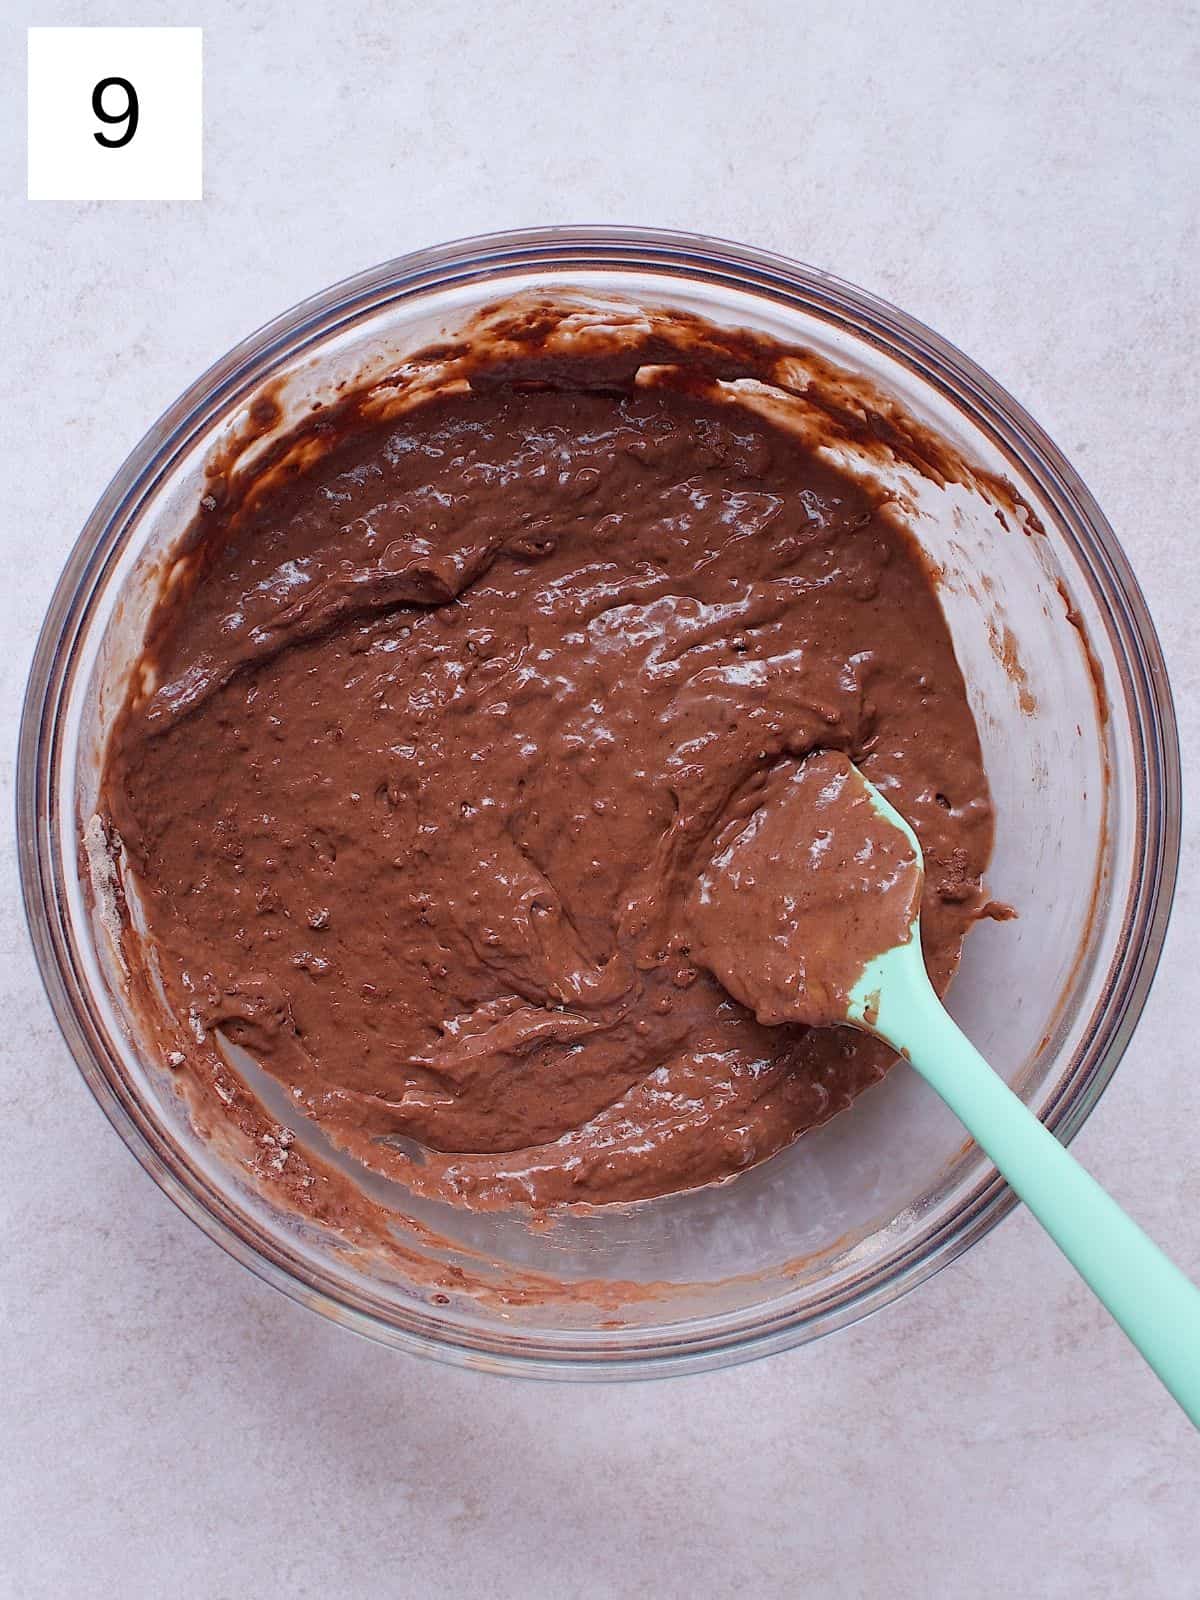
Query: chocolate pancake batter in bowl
{"type": "Point", "coordinates": [445, 634]}
{"type": "Point", "coordinates": [440, 734]}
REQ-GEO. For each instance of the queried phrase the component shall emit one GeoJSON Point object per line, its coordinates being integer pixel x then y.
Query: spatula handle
{"type": "Point", "coordinates": [1148, 1295]}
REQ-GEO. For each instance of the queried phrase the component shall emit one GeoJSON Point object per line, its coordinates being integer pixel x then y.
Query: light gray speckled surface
{"type": "Point", "coordinates": [1023, 178]}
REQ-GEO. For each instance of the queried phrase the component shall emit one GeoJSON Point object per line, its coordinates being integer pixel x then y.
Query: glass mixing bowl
{"type": "Point", "coordinates": [1069, 689]}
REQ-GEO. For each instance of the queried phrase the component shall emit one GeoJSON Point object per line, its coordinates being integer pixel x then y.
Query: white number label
{"type": "Point", "coordinates": [115, 114]}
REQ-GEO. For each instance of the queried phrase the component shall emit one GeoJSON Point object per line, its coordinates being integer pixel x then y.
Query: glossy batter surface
{"type": "Point", "coordinates": [443, 737]}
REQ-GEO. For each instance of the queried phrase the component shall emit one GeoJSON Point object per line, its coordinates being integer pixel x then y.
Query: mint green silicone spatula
{"type": "Point", "coordinates": [893, 998]}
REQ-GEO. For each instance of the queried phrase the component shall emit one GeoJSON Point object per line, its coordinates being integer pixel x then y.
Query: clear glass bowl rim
{"type": "Point", "coordinates": [703, 1343]}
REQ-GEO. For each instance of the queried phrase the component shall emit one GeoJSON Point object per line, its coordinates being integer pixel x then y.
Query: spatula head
{"type": "Point", "coordinates": [812, 879]}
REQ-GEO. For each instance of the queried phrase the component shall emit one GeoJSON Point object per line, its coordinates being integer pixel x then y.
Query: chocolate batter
{"type": "Point", "coordinates": [807, 885]}
{"type": "Point", "coordinates": [435, 737]}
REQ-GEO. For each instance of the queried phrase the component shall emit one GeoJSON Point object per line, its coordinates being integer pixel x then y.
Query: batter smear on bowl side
{"type": "Point", "coordinates": [435, 736]}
